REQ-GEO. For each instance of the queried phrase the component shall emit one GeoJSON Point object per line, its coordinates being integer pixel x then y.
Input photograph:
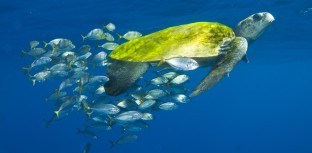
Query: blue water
{"type": "Point", "coordinates": [263, 107]}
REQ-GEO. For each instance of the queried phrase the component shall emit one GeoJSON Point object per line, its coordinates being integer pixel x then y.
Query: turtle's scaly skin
{"type": "Point", "coordinates": [200, 39]}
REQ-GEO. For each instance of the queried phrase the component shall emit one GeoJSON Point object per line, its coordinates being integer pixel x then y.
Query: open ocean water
{"type": "Point", "coordinates": [263, 107]}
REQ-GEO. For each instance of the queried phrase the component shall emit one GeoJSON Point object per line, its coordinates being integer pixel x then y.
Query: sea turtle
{"type": "Point", "coordinates": [209, 43]}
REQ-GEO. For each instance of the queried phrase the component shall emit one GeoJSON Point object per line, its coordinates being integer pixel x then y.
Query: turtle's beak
{"type": "Point", "coordinates": [269, 17]}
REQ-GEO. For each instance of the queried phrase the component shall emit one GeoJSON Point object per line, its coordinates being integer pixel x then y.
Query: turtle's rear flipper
{"type": "Point", "coordinates": [223, 65]}
{"type": "Point", "coordinates": [122, 75]}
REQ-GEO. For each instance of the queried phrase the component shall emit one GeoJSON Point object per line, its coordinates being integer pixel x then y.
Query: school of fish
{"type": "Point", "coordinates": [81, 90]}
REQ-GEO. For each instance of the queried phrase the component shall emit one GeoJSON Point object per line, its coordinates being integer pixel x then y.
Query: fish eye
{"type": "Point", "coordinates": [256, 17]}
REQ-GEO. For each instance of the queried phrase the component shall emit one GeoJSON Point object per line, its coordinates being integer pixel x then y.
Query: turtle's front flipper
{"type": "Point", "coordinates": [122, 75]}
{"type": "Point", "coordinates": [223, 66]}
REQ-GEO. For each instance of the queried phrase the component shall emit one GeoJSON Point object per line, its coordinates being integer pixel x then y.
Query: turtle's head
{"type": "Point", "coordinates": [253, 26]}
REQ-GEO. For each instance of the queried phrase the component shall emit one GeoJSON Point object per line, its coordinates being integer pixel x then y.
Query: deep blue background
{"type": "Point", "coordinates": [263, 107]}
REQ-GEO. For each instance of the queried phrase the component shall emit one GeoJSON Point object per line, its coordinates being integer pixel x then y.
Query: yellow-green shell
{"type": "Point", "coordinates": [200, 39]}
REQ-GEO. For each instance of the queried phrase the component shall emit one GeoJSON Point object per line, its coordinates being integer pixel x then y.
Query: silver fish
{"type": "Point", "coordinates": [78, 64]}
{"type": "Point", "coordinates": [129, 116]}
{"type": "Point", "coordinates": [155, 94]}
{"type": "Point", "coordinates": [88, 133]}
{"type": "Point", "coordinates": [146, 104]}
{"type": "Point", "coordinates": [100, 126]}
{"type": "Point", "coordinates": [108, 37]}
{"type": "Point", "coordinates": [109, 45]}
{"type": "Point", "coordinates": [130, 35]}
{"type": "Point", "coordinates": [83, 49]}
{"type": "Point", "coordinates": [134, 126]}
{"type": "Point", "coordinates": [67, 53]}
{"type": "Point", "coordinates": [170, 75]}
{"type": "Point", "coordinates": [59, 74]}
{"type": "Point", "coordinates": [102, 64]}
{"type": "Point", "coordinates": [61, 44]}
{"type": "Point", "coordinates": [95, 34]}
{"type": "Point", "coordinates": [34, 52]}
{"type": "Point", "coordinates": [55, 95]}
{"type": "Point", "coordinates": [51, 53]}
{"type": "Point", "coordinates": [41, 61]}
{"type": "Point", "coordinates": [124, 103]}
{"type": "Point", "coordinates": [33, 44]}
{"type": "Point", "coordinates": [59, 67]}
{"type": "Point", "coordinates": [181, 98]}
{"type": "Point", "coordinates": [124, 140]}
{"type": "Point", "coordinates": [182, 63]}
{"type": "Point", "coordinates": [110, 27]}
{"type": "Point", "coordinates": [84, 56]}
{"type": "Point", "coordinates": [100, 90]}
{"type": "Point", "coordinates": [147, 116]}
{"type": "Point", "coordinates": [100, 119]}
{"type": "Point", "coordinates": [99, 57]}
{"type": "Point", "coordinates": [73, 101]}
{"type": "Point", "coordinates": [40, 76]}
{"type": "Point", "coordinates": [178, 90]}
{"type": "Point", "coordinates": [98, 79]}
{"type": "Point", "coordinates": [168, 106]}
{"type": "Point", "coordinates": [67, 83]}
{"type": "Point", "coordinates": [159, 81]}
{"type": "Point", "coordinates": [102, 108]}
{"type": "Point", "coordinates": [180, 79]}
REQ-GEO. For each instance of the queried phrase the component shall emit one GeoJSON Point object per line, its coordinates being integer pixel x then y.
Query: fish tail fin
{"type": "Point", "coordinates": [45, 44]}
{"type": "Point", "coordinates": [83, 37]}
{"type": "Point", "coordinates": [24, 53]}
{"type": "Point", "coordinates": [57, 113]}
{"type": "Point", "coordinates": [104, 26]}
{"type": "Point", "coordinates": [119, 36]}
{"type": "Point", "coordinates": [89, 114]}
{"type": "Point", "coordinates": [113, 144]}
{"type": "Point", "coordinates": [33, 81]}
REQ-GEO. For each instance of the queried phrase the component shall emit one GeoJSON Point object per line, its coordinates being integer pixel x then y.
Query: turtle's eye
{"type": "Point", "coordinates": [256, 17]}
